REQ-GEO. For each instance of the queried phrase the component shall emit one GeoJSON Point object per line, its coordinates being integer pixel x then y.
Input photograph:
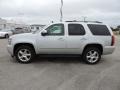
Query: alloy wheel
{"type": "Point", "coordinates": [24, 55]}
{"type": "Point", "coordinates": [92, 56]}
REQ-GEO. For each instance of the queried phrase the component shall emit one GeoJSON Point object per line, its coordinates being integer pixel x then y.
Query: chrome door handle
{"type": "Point", "coordinates": [61, 39]}
{"type": "Point", "coordinates": [83, 39]}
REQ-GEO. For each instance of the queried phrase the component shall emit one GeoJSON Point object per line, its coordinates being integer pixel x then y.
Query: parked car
{"type": "Point", "coordinates": [5, 33]}
{"type": "Point", "coordinates": [89, 40]}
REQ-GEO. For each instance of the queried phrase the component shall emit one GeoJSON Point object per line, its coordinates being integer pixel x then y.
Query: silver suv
{"type": "Point", "coordinates": [88, 39]}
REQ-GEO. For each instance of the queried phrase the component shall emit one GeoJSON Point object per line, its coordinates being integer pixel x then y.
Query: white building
{"type": "Point", "coordinates": [35, 27]}
{"type": "Point", "coordinates": [4, 24]}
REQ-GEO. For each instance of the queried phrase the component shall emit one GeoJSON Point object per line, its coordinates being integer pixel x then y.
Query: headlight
{"type": "Point", "coordinates": [9, 41]}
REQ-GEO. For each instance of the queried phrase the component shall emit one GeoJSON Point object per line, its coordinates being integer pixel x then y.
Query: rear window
{"type": "Point", "coordinates": [99, 29]}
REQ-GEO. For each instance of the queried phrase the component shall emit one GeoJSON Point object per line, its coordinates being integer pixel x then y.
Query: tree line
{"type": "Point", "coordinates": [116, 30]}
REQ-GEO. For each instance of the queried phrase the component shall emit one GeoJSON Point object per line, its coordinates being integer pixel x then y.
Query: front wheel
{"type": "Point", "coordinates": [24, 54]}
{"type": "Point", "coordinates": [92, 55]}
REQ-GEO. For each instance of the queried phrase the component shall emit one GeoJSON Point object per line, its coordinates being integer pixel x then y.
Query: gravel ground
{"type": "Point", "coordinates": [59, 73]}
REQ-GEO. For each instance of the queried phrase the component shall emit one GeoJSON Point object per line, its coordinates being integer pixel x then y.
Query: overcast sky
{"type": "Point", "coordinates": [44, 11]}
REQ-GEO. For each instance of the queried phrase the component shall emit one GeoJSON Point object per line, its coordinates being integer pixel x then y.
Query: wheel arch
{"type": "Point", "coordinates": [99, 46]}
{"type": "Point", "coordinates": [23, 44]}
{"type": "Point", "coordinates": [6, 34]}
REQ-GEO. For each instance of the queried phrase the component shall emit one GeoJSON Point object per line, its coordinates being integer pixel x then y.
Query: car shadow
{"type": "Point", "coordinates": [58, 60]}
{"type": "Point", "coordinates": [2, 38]}
{"type": "Point", "coordinates": [62, 60]}
{"type": "Point", "coordinates": [39, 59]}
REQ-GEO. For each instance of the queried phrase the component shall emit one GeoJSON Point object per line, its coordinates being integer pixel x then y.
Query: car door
{"type": "Point", "coordinates": [55, 40]}
{"type": "Point", "coordinates": [76, 37]}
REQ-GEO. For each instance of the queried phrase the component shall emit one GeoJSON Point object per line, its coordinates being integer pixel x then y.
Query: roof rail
{"type": "Point", "coordinates": [73, 21]}
{"type": "Point", "coordinates": [85, 21]}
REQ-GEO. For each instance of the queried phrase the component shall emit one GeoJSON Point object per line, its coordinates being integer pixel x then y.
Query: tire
{"type": "Point", "coordinates": [91, 55]}
{"type": "Point", "coordinates": [6, 36]}
{"type": "Point", "coordinates": [24, 54]}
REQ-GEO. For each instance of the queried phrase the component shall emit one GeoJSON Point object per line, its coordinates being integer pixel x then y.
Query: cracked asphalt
{"type": "Point", "coordinates": [59, 73]}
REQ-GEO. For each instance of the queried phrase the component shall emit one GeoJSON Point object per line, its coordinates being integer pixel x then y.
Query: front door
{"type": "Point", "coordinates": [54, 42]}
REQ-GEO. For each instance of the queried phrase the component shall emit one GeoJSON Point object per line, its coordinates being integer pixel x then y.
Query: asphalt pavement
{"type": "Point", "coordinates": [59, 73]}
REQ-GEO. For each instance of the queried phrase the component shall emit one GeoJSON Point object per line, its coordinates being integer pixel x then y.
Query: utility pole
{"type": "Point", "coordinates": [84, 18]}
{"type": "Point", "coordinates": [61, 11]}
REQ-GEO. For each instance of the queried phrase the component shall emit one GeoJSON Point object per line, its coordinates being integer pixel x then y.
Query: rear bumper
{"type": "Point", "coordinates": [10, 50]}
{"type": "Point", "coordinates": [108, 50]}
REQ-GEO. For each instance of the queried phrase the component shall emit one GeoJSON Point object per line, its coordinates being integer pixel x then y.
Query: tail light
{"type": "Point", "coordinates": [113, 40]}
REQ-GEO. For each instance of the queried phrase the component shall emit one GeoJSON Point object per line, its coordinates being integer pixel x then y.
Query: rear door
{"type": "Point", "coordinates": [76, 34]}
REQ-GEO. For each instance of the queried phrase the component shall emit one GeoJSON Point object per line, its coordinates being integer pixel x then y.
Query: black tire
{"type": "Point", "coordinates": [17, 54]}
{"type": "Point", "coordinates": [87, 58]}
{"type": "Point", "coordinates": [6, 36]}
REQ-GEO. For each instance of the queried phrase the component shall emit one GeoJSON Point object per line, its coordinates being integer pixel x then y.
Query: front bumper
{"type": "Point", "coordinates": [108, 50]}
{"type": "Point", "coordinates": [10, 50]}
{"type": "Point", "coordinates": [2, 36]}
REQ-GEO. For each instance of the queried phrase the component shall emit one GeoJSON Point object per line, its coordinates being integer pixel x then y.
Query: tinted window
{"type": "Point", "coordinates": [99, 29]}
{"type": "Point", "coordinates": [56, 29]}
{"type": "Point", "coordinates": [76, 29]}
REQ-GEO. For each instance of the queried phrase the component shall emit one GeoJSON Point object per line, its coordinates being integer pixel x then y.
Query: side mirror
{"type": "Point", "coordinates": [44, 33]}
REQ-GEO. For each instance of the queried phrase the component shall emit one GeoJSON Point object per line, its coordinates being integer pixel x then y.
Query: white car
{"type": "Point", "coordinates": [88, 39]}
{"type": "Point", "coordinates": [6, 33]}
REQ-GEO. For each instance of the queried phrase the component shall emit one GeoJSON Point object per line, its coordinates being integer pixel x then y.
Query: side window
{"type": "Point", "coordinates": [99, 29]}
{"type": "Point", "coordinates": [56, 29]}
{"type": "Point", "coordinates": [76, 29]}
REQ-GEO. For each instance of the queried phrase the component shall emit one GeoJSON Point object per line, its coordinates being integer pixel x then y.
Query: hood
{"type": "Point", "coordinates": [24, 35]}
{"type": "Point", "coordinates": [3, 32]}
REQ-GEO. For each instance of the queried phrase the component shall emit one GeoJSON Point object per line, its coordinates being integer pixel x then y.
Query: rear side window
{"type": "Point", "coordinates": [76, 29]}
{"type": "Point", "coordinates": [99, 29]}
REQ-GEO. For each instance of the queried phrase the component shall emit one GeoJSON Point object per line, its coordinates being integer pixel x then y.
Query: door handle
{"type": "Point", "coordinates": [61, 39]}
{"type": "Point", "coordinates": [83, 39]}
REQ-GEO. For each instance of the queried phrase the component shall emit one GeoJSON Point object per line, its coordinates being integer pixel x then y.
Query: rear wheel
{"type": "Point", "coordinates": [92, 55]}
{"type": "Point", "coordinates": [6, 36]}
{"type": "Point", "coordinates": [24, 54]}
